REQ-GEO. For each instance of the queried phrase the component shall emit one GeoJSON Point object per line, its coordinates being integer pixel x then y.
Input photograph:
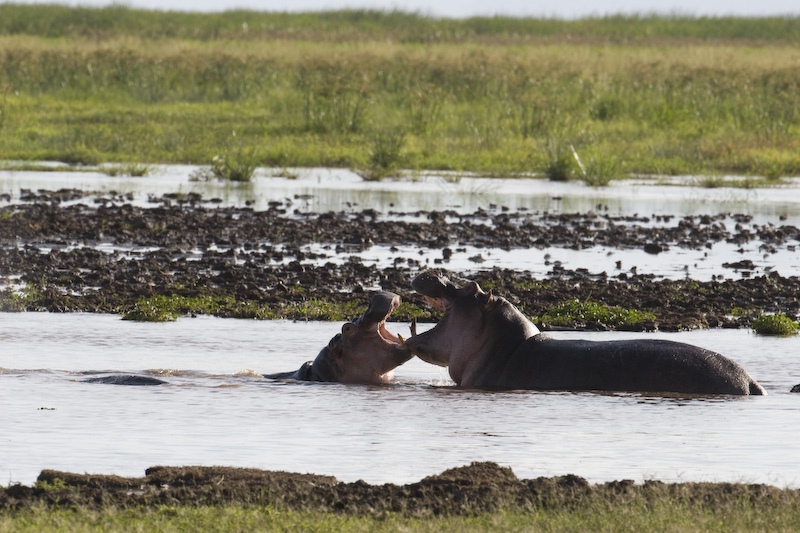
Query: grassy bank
{"type": "Point", "coordinates": [478, 497]}
{"type": "Point", "coordinates": [620, 516]}
{"type": "Point", "coordinates": [369, 91]}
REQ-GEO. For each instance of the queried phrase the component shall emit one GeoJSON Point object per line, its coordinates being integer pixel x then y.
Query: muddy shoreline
{"type": "Point", "coordinates": [190, 247]}
{"type": "Point", "coordinates": [475, 488]}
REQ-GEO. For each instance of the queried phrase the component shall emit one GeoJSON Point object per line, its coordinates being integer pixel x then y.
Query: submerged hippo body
{"type": "Point", "coordinates": [487, 343]}
{"type": "Point", "coordinates": [364, 352]}
{"type": "Point", "coordinates": [126, 379]}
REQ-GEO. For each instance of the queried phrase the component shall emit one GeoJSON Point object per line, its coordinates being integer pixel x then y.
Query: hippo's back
{"type": "Point", "coordinates": [639, 365]}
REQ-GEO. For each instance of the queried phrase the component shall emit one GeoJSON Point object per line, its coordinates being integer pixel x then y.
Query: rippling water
{"type": "Point", "coordinates": [215, 410]}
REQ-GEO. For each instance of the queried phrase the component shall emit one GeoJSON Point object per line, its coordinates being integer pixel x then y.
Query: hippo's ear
{"type": "Point", "coordinates": [335, 340]}
{"type": "Point", "coordinates": [472, 288]}
{"type": "Point", "coordinates": [348, 329]}
{"type": "Point", "coordinates": [486, 299]}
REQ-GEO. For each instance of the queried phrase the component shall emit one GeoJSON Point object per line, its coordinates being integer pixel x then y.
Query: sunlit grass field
{"type": "Point", "coordinates": [386, 91]}
{"type": "Point", "coordinates": [613, 515]}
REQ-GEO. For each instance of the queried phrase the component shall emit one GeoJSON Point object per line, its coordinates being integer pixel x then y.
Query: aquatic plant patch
{"type": "Point", "coordinates": [775, 324]}
{"type": "Point", "coordinates": [576, 314]}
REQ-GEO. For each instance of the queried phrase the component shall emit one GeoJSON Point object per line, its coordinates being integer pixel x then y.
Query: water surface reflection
{"type": "Point", "coordinates": [215, 411]}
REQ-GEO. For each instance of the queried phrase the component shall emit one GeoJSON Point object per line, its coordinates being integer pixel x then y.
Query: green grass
{"type": "Point", "coordinates": [501, 96]}
{"type": "Point", "coordinates": [129, 169]}
{"type": "Point", "coordinates": [230, 166]}
{"type": "Point", "coordinates": [775, 324]}
{"type": "Point", "coordinates": [640, 516]}
{"type": "Point", "coordinates": [167, 308]}
{"type": "Point", "coordinates": [363, 25]}
{"type": "Point", "coordinates": [575, 314]}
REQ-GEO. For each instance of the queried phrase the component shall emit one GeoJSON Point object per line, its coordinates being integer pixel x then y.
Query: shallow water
{"type": "Point", "coordinates": [215, 410]}
{"type": "Point", "coordinates": [321, 190]}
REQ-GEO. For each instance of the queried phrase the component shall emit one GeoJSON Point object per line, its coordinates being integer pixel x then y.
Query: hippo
{"type": "Point", "coordinates": [364, 352]}
{"type": "Point", "coordinates": [126, 379]}
{"type": "Point", "coordinates": [487, 343]}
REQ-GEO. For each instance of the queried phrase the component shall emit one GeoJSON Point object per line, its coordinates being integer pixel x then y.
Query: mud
{"type": "Point", "coordinates": [479, 487]}
{"type": "Point", "coordinates": [187, 246]}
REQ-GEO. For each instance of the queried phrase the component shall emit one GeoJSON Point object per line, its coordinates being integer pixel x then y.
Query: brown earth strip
{"type": "Point", "coordinates": [479, 487]}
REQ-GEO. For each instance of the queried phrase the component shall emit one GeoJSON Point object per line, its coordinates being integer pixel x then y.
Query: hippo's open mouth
{"type": "Point", "coordinates": [380, 309]}
{"type": "Point", "coordinates": [438, 291]}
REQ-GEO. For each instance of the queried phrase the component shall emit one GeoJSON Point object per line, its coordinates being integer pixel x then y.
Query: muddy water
{"type": "Point", "coordinates": [215, 410]}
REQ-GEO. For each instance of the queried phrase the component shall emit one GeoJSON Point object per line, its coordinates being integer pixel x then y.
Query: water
{"type": "Point", "coordinates": [322, 190]}
{"type": "Point", "coordinates": [215, 410]}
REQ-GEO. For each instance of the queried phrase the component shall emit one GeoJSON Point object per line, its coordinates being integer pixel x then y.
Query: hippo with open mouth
{"type": "Point", "coordinates": [364, 352]}
{"type": "Point", "coordinates": [488, 343]}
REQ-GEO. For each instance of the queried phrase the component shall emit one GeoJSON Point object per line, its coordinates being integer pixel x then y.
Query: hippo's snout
{"type": "Point", "coordinates": [434, 286]}
{"type": "Point", "coordinates": [381, 306]}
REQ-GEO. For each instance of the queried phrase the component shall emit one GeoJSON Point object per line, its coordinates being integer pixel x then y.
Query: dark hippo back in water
{"type": "Point", "coordinates": [126, 379]}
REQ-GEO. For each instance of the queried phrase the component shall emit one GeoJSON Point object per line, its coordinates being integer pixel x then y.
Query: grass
{"type": "Point", "coordinates": [775, 324]}
{"type": "Point", "coordinates": [385, 155]}
{"type": "Point", "coordinates": [575, 314]}
{"type": "Point", "coordinates": [130, 169]}
{"type": "Point", "coordinates": [373, 25]}
{"type": "Point", "coordinates": [167, 308]}
{"type": "Point", "coordinates": [637, 515]}
{"type": "Point", "coordinates": [232, 166]}
{"type": "Point", "coordinates": [383, 90]}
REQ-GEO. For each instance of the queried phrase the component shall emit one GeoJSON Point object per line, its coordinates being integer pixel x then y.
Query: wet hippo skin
{"type": "Point", "coordinates": [364, 351]}
{"type": "Point", "coordinates": [487, 343]}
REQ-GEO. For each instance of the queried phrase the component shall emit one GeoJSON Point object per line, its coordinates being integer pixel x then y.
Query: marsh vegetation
{"type": "Point", "coordinates": [382, 91]}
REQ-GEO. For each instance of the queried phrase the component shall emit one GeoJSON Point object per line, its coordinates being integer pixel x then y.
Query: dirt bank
{"type": "Point", "coordinates": [478, 487]}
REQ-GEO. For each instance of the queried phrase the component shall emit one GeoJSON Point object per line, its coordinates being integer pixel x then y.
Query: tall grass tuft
{"type": "Point", "coordinates": [230, 166]}
{"type": "Point", "coordinates": [560, 163]}
{"type": "Point", "coordinates": [135, 170]}
{"type": "Point", "coordinates": [385, 155]}
{"type": "Point", "coordinates": [602, 169]}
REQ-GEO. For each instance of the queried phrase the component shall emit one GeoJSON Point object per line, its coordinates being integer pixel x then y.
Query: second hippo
{"type": "Point", "coordinates": [487, 343]}
{"type": "Point", "coordinates": [364, 352]}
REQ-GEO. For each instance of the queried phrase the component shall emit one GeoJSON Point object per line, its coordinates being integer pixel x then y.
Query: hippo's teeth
{"type": "Point", "coordinates": [413, 327]}
{"type": "Point", "coordinates": [402, 340]}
